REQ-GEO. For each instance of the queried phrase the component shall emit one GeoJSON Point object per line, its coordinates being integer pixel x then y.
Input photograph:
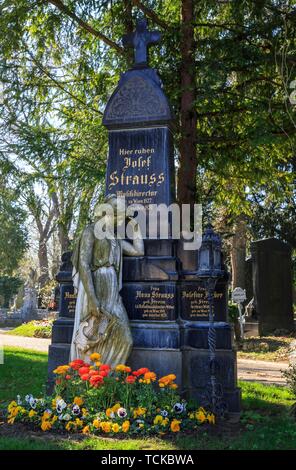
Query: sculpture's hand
{"type": "Point", "coordinates": [98, 311]}
{"type": "Point", "coordinates": [95, 308]}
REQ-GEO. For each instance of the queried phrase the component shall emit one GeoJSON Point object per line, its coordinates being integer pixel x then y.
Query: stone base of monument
{"type": "Point", "coordinates": [196, 363]}
{"type": "Point", "coordinates": [58, 354]}
{"type": "Point", "coordinates": [62, 330]}
{"type": "Point", "coordinates": [159, 360]}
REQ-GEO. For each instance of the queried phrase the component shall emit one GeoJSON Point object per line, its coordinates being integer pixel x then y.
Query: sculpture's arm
{"type": "Point", "coordinates": [85, 258]}
{"type": "Point", "coordinates": [137, 247]}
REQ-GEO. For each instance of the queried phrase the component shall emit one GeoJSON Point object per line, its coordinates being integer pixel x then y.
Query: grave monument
{"type": "Point", "coordinates": [166, 302]}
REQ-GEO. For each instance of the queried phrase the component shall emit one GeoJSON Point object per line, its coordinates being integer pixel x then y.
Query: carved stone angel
{"type": "Point", "coordinates": [101, 322]}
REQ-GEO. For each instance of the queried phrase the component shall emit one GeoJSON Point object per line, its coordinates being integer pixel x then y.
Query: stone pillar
{"type": "Point", "coordinates": [272, 285]}
{"type": "Point", "coordinates": [62, 329]}
{"type": "Point", "coordinates": [194, 326]}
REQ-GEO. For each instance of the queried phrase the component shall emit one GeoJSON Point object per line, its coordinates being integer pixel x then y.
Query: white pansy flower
{"type": "Point", "coordinates": [179, 407]}
{"type": "Point", "coordinates": [61, 405]}
{"type": "Point", "coordinates": [66, 417]}
{"type": "Point", "coordinates": [33, 402]}
{"type": "Point", "coordinates": [121, 412]}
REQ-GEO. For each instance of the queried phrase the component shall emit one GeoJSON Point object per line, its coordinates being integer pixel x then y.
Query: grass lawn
{"type": "Point", "coordinates": [265, 422]}
{"type": "Point", "coordinates": [37, 329]}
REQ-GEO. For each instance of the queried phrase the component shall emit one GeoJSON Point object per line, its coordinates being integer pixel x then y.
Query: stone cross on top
{"type": "Point", "coordinates": [140, 41]}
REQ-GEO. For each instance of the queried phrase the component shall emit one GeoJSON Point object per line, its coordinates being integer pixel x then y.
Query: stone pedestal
{"type": "Point", "coordinates": [62, 329]}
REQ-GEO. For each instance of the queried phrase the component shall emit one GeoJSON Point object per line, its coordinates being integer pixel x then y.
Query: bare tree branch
{"type": "Point", "coordinates": [86, 26]}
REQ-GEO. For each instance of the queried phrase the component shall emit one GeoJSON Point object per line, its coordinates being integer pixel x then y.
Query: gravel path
{"type": "Point", "coordinates": [249, 370]}
{"type": "Point", "coordinates": [38, 344]}
{"type": "Point", "coordinates": [261, 371]}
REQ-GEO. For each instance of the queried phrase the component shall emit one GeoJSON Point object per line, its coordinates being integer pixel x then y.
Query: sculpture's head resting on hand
{"type": "Point", "coordinates": [113, 208]}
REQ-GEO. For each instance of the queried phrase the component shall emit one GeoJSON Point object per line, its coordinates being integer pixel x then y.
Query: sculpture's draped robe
{"type": "Point", "coordinates": [110, 338]}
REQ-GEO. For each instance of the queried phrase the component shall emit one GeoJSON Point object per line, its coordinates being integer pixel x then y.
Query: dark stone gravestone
{"type": "Point", "coordinates": [272, 284]}
{"type": "Point", "coordinates": [62, 329]}
{"type": "Point", "coordinates": [167, 304]}
{"type": "Point", "coordinates": [249, 279]}
{"type": "Point", "coordinates": [165, 300]}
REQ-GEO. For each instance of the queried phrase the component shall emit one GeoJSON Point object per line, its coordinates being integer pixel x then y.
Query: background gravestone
{"type": "Point", "coordinates": [272, 284]}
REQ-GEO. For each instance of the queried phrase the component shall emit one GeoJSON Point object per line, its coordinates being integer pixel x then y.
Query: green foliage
{"type": "Point", "coordinates": [13, 233]}
{"type": "Point", "coordinates": [33, 329]}
{"type": "Point", "coordinates": [57, 77]}
{"type": "Point", "coordinates": [290, 376]}
{"type": "Point", "coordinates": [233, 313]}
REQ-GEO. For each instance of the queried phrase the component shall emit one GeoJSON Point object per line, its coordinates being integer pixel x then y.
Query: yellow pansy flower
{"type": "Point", "coordinates": [12, 404]}
{"type": "Point", "coordinates": [96, 423]}
{"type": "Point", "coordinates": [175, 425]}
{"type": "Point", "coordinates": [200, 416]}
{"type": "Point", "coordinates": [70, 425]}
{"type": "Point", "coordinates": [158, 419]}
{"type": "Point", "coordinates": [139, 412]}
{"type": "Point", "coordinates": [45, 425]}
{"type": "Point", "coordinates": [116, 407]}
{"type": "Point", "coordinates": [211, 418]}
{"type": "Point", "coordinates": [78, 401]}
{"type": "Point", "coordinates": [32, 413]}
{"type": "Point", "coordinates": [46, 415]}
{"type": "Point", "coordinates": [106, 426]}
{"type": "Point", "coordinates": [115, 427]}
{"type": "Point", "coordinates": [125, 426]}
{"type": "Point", "coordinates": [85, 430]}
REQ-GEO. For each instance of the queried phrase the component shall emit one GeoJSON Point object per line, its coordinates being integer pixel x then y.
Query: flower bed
{"type": "Point", "coordinates": [92, 398]}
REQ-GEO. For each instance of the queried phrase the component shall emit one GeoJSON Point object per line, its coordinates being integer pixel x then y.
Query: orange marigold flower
{"type": "Point", "coordinates": [96, 380]}
{"type": "Point", "coordinates": [150, 376]}
{"type": "Point", "coordinates": [76, 364]}
{"type": "Point", "coordinates": [60, 370]}
{"type": "Point", "coordinates": [103, 373]}
{"type": "Point", "coordinates": [93, 372]}
{"type": "Point", "coordinates": [141, 371]}
{"type": "Point", "coordinates": [95, 357]}
{"type": "Point", "coordinates": [83, 370]}
{"type": "Point", "coordinates": [84, 377]}
{"type": "Point", "coordinates": [130, 379]}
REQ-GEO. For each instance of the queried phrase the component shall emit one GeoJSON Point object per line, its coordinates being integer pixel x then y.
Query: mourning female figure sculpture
{"type": "Point", "coordinates": [101, 322]}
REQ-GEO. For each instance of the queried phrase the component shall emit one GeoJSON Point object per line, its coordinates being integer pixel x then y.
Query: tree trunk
{"type": "Point", "coordinates": [188, 157]}
{"type": "Point", "coordinates": [43, 262]}
{"type": "Point", "coordinates": [238, 254]}
{"type": "Point", "coordinates": [238, 257]}
{"type": "Point", "coordinates": [63, 238]}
